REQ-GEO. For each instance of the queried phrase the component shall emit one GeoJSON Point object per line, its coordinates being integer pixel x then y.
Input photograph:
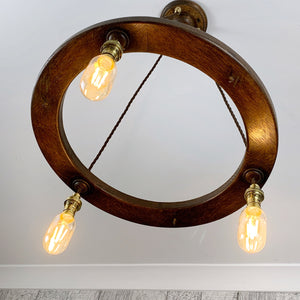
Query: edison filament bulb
{"type": "Point", "coordinates": [59, 233]}
{"type": "Point", "coordinates": [252, 230]}
{"type": "Point", "coordinates": [97, 79]}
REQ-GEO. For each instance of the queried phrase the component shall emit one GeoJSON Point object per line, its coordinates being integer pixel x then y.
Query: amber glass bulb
{"type": "Point", "coordinates": [97, 79]}
{"type": "Point", "coordinates": [59, 233]}
{"type": "Point", "coordinates": [252, 229]}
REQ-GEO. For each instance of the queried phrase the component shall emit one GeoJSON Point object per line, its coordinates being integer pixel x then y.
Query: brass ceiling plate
{"type": "Point", "coordinates": [187, 12]}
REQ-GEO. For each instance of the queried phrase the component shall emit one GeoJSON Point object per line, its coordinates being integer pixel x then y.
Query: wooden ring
{"type": "Point", "coordinates": [182, 42]}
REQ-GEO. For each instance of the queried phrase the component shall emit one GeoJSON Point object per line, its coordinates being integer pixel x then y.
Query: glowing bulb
{"type": "Point", "coordinates": [97, 79]}
{"type": "Point", "coordinates": [59, 233]}
{"type": "Point", "coordinates": [252, 229]}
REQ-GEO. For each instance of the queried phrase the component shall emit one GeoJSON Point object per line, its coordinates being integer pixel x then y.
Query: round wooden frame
{"type": "Point", "coordinates": [182, 42]}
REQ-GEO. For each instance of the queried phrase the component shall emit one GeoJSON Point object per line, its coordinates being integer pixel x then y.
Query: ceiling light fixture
{"type": "Point", "coordinates": [180, 34]}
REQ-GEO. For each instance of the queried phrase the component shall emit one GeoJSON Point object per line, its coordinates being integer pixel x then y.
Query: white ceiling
{"type": "Point", "coordinates": [177, 141]}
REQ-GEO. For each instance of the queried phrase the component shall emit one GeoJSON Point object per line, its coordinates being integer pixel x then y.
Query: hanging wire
{"type": "Point", "coordinates": [123, 113]}
{"type": "Point", "coordinates": [134, 96]}
{"type": "Point", "coordinates": [232, 115]}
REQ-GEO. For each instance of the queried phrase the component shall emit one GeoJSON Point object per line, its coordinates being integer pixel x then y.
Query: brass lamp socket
{"type": "Point", "coordinates": [72, 204]}
{"type": "Point", "coordinates": [254, 195]}
{"type": "Point", "coordinates": [112, 48]}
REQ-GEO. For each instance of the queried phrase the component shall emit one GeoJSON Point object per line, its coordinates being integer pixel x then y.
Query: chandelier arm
{"type": "Point", "coordinates": [124, 113]}
{"type": "Point", "coordinates": [236, 122]}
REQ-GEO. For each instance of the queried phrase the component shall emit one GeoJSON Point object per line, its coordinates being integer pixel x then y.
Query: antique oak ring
{"type": "Point", "coordinates": [187, 44]}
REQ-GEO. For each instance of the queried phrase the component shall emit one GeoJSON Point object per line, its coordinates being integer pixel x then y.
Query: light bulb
{"type": "Point", "coordinates": [59, 233]}
{"type": "Point", "coordinates": [97, 79]}
{"type": "Point", "coordinates": [252, 231]}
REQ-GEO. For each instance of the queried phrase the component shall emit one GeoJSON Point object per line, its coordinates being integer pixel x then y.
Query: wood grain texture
{"type": "Point", "coordinates": [53, 295]}
{"type": "Point", "coordinates": [68, 294]}
{"type": "Point", "coordinates": [184, 295]}
{"type": "Point", "coordinates": [18, 294]}
{"type": "Point", "coordinates": [193, 47]}
{"type": "Point", "coordinates": [33, 294]}
{"type": "Point", "coordinates": [83, 295]}
{"type": "Point", "coordinates": [3, 294]}
{"type": "Point", "coordinates": [268, 296]}
{"type": "Point", "coordinates": [148, 295]}
{"type": "Point", "coordinates": [219, 295]}
{"type": "Point", "coordinates": [115, 295]}
{"type": "Point", "coordinates": [133, 295]}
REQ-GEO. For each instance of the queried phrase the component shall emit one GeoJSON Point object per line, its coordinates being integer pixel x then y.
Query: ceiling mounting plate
{"type": "Point", "coordinates": [187, 12]}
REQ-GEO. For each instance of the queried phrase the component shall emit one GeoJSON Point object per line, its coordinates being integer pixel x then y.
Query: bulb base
{"type": "Point", "coordinates": [72, 204]}
{"type": "Point", "coordinates": [112, 48]}
{"type": "Point", "coordinates": [254, 175]}
{"type": "Point", "coordinates": [81, 187]}
{"type": "Point", "coordinates": [118, 35]}
{"type": "Point", "coordinates": [254, 195]}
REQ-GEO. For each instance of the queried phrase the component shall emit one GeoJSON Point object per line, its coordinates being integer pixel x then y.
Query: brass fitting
{"type": "Point", "coordinates": [72, 204]}
{"type": "Point", "coordinates": [254, 195]}
{"type": "Point", "coordinates": [112, 48]}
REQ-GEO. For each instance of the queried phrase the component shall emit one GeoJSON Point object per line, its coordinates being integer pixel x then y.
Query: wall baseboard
{"type": "Point", "coordinates": [222, 277]}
